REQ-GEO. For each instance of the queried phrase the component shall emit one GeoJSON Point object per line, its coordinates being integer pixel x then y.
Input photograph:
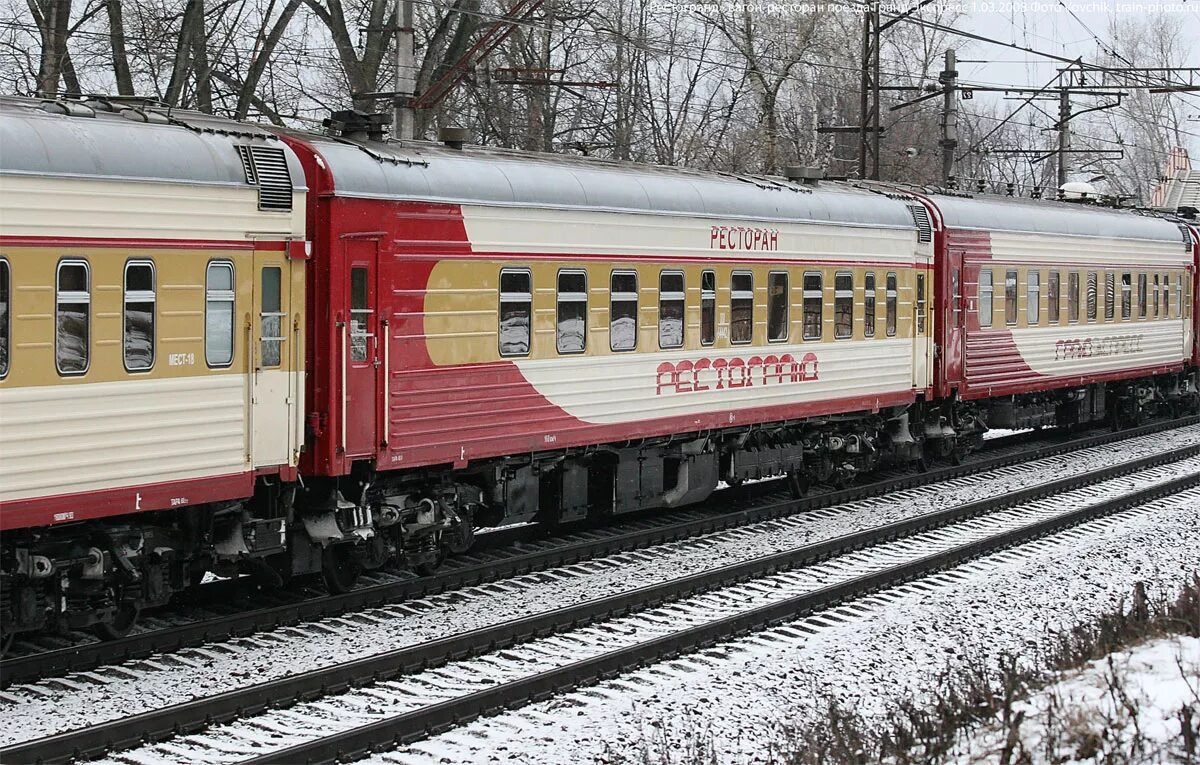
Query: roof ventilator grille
{"type": "Point", "coordinates": [1187, 236]}
{"type": "Point", "coordinates": [921, 218]}
{"type": "Point", "coordinates": [247, 165]}
{"type": "Point", "coordinates": [274, 180]}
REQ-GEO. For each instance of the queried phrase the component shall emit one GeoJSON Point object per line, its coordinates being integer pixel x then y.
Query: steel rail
{"type": "Point", "coordinates": [421, 723]}
{"type": "Point", "coordinates": [89, 656]}
{"type": "Point", "coordinates": [197, 714]}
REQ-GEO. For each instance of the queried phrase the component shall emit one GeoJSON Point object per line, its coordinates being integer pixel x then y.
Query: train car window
{"type": "Point", "coordinates": [708, 307]}
{"type": "Point", "coordinates": [5, 301]}
{"type": "Point", "coordinates": [1110, 295]}
{"type": "Point", "coordinates": [1181, 306]}
{"type": "Point", "coordinates": [516, 311]}
{"type": "Point", "coordinates": [1010, 297]}
{"type": "Point", "coordinates": [572, 312]}
{"type": "Point", "coordinates": [814, 301]}
{"type": "Point", "coordinates": [623, 311]}
{"type": "Point", "coordinates": [1166, 296]}
{"type": "Point", "coordinates": [777, 306]}
{"type": "Point", "coordinates": [986, 288]}
{"type": "Point", "coordinates": [138, 337]}
{"type": "Point", "coordinates": [1142, 296]}
{"type": "Point", "coordinates": [271, 318]}
{"type": "Point", "coordinates": [1033, 297]}
{"type": "Point", "coordinates": [843, 305]}
{"type": "Point", "coordinates": [869, 305]}
{"type": "Point", "coordinates": [1053, 290]}
{"type": "Point", "coordinates": [1073, 297]}
{"type": "Point", "coordinates": [1126, 295]}
{"type": "Point", "coordinates": [360, 313]}
{"type": "Point", "coordinates": [920, 304]}
{"type": "Point", "coordinates": [1155, 296]}
{"type": "Point", "coordinates": [671, 296]}
{"type": "Point", "coordinates": [72, 324]}
{"type": "Point", "coordinates": [1092, 286]}
{"type": "Point", "coordinates": [218, 314]}
{"type": "Point", "coordinates": [890, 295]}
{"type": "Point", "coordinates": [741, 318]}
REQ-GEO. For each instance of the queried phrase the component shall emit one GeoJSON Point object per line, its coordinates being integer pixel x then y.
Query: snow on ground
{"type": "Point", "coordinates": [736, 694]}
{"type": "Point", "coordinates": [192, 673]}
{"type": "Point", "coordinates": [1152, 682]}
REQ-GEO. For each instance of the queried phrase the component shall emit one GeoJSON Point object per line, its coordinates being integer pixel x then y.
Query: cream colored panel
{"type": "Point", "coordinates": [628, 388]}
{"type": "Point", "coordinates": [77, 207]}
{"type": "Point", "coordinates": [62, 439]}
{"type": "Point", "coordinates": [531, 230]}
{"type": "Point", "coordinates": [1099, 251]}
{"type": "Point", "coordinates": [1086, 349]}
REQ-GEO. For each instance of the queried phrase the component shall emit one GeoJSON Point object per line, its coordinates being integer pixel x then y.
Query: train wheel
{"type": "Point", "coordinates": [340, 568]}
{"type": "Point", "coordinates": [430, 563]}
{"type": "Point", "coordinates": [121, 624]}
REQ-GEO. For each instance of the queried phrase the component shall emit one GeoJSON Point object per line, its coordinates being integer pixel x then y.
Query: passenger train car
{"type": "Point", "coordinates": [151, 278]}
{"type": "Point", "coordinates": [228, 348]}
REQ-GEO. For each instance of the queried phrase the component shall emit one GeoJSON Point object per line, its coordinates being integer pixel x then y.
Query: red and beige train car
{"type": "Point", "coordinates": [151, 281]}
{"type": "Point", "coordinates": [229, 348]}
{"type": "Point", "coordinates": [1057, 313]}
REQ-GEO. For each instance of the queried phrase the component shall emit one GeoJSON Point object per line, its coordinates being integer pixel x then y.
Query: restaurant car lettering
{"type": "Point", "coordinates": [743, 238]}
{"type": "Point", "coordinates": [1088, 347]}
{"type": "Point", "coordinates": [703, 374]}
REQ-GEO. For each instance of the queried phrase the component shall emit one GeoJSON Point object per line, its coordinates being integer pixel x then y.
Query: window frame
{"type": "Point", "coordinates": [58, 301]}
{"type": "Point", "coordinates": [1092, 297]}
{"type": "Point", "coordinates": [891, 295]}
{"type": "Point", "coordinates": [681, 299]}
{"type": "Point", "coordinates": [869, 304]}
{"type": "Point", "coordinates": [232, 301]}
{"type": "Point", "coordinates": [1033, 297]}
{"type": "Point", "coordinates": [500, 301]}
{"type": "Point", "coordinates": [990, 291]}
{"type": "Point", "coordinates": [558, 302]}
{"type": "Point", "coordinates": [838, 296]}
{"type": "Point", "coordinates": [280, 340]}
{"type": "Point", "coordinates": [6, 330]}
{"type": "Point", "coordinates": [1012, 282]}
{"type": "Point", "coordinates": [787, 313]}
{"type": "Point", "coordinates": [921, 305]}
{"type": "Point", "coordinates": [1073, 294]}
{"type": "Point", "coordinates": [711, 296]}
{"type": "Point", "coordinates": [817, 294]}
{"type": "Point", "coordinates": [1126, 295]}
{"type": "Point", "coordinates": [125, 301]}
{"type": "Point", "coordinates": [613, 300]}
{"type": "Point", "coordinates": [733, 295]}
{"type": "Point", "coordinates": [1054, 297]}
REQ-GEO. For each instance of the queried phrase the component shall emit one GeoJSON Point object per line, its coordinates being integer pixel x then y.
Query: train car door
{"type": "Point", "coordinates": [954, 308]}
{"type": "Point", "coordinates": [922, 346]}
{"type": "Point", "coordinates": [360, 349]}
{"type": "Point", "coordinates": [273, 396]}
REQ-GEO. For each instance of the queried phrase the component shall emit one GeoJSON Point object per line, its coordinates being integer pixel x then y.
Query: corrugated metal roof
{"type": "Point", "coordinates": [431, 172]}
{"type": "Point", "coordinates": [179, 146]}
{"type": "Point", "coordinates": [996, 213]}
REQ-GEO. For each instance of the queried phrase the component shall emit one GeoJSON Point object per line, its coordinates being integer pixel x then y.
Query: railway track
{"type": "Point", "coordinates": [508, 553]}
{"type": "Point", "coordinates": [925, 543]}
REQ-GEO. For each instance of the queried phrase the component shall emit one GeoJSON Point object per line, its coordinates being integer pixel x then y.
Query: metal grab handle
{"type": "Point", "coordinates": [387, 381]}
{"type": "Point", "coordinates": [345, 361]}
